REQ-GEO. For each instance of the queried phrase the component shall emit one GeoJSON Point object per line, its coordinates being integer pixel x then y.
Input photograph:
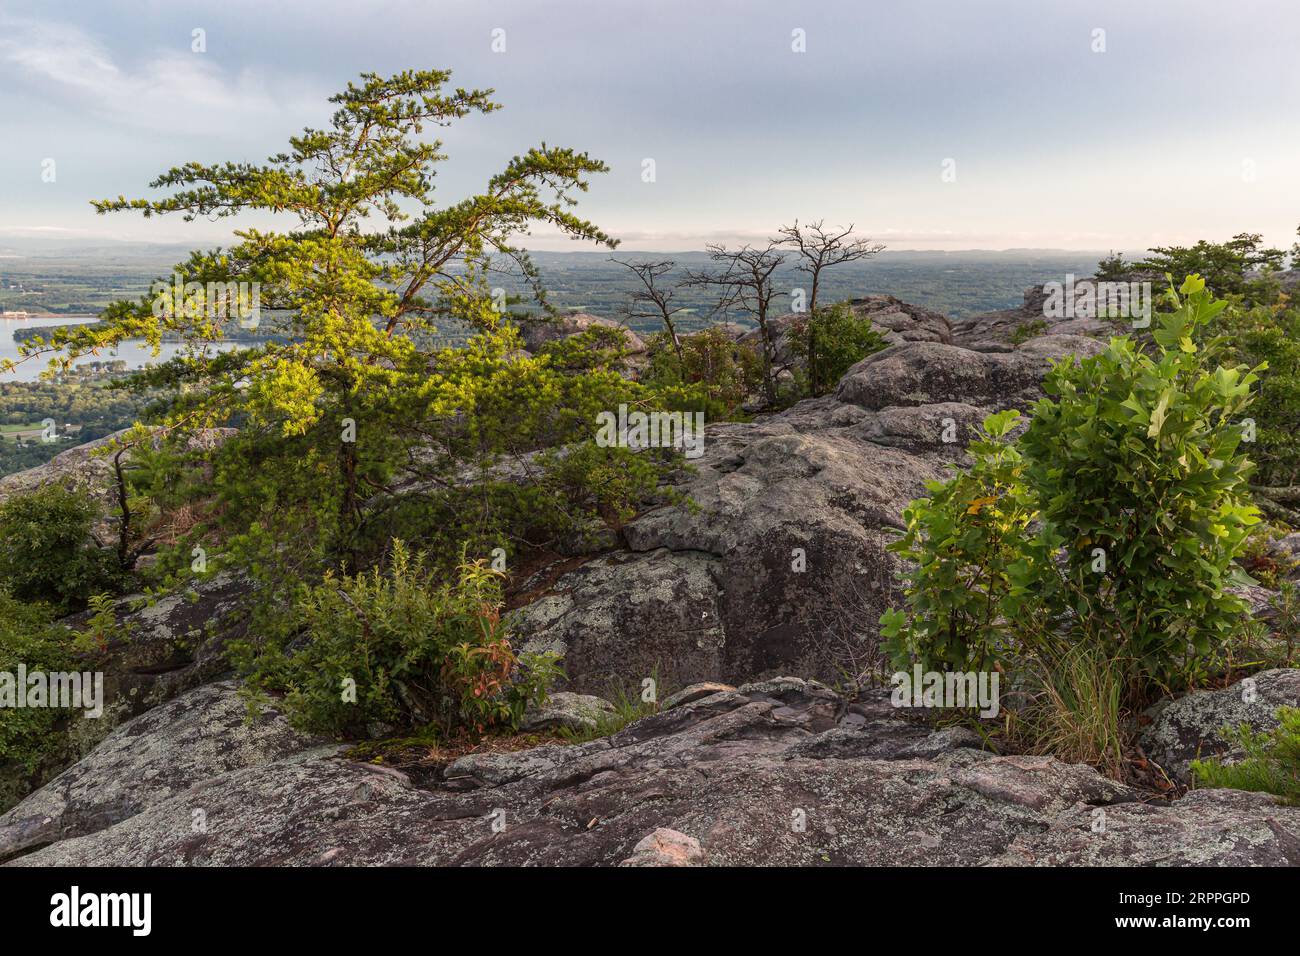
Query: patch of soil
{"type": "Point", "coordinates": [425, 759]}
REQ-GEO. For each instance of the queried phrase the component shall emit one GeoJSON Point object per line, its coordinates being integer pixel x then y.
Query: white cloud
{"type": "Point", "coordinates": [170, 90]}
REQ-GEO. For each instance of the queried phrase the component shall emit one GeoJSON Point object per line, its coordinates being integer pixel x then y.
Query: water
{"type": "Point", "coordinates": [135, 352]}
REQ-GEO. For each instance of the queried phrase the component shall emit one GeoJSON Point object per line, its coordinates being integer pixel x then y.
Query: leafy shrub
{"type": "Point", "coordinates": [47, 552]}
{"type": "Point", "coordinates": [1094, 553]}
{"type": "Point", "coordinates": [1270, 336]}
{"type": "Point", "coordinates": [1137, 465]}
{"type": "Point", "coordinates": [411, 651]}
{"type": "Point", "coordinates": [1090, 559]}
{"type": "Point", "coordinates": [607, 482]}
{"type": "Point", "coordinates": [1271, 764]}
{"type": "Point", "coordinates": [28, 744]}
{"type": "Point", "coordinates": [830, 342]}
{"type": "Point", "coordinates": [714, 374]}
{"type": "Point", "coordinates": [971, 606]}
{"type": "Point", "coordinates": [962, 542]}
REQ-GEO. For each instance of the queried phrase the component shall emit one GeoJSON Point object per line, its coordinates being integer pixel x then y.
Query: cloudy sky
{"type": "Point", "coordinates": [1184, 127]}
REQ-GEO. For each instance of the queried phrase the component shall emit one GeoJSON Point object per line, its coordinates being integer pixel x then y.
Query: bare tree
{"type": "Point", "coordinates": [819, 248]}
{"type": "Point", "coordinates": [652, 300]}
{"type": "Point", "coordinates": [744, 278]}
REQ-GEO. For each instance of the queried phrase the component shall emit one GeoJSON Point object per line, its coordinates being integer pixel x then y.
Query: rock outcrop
{"type": "Point", "coordinates": [927, 373]}
{"type": "Point", "coordinates": [778, 772]}
{"type": "Point", "coordinates": [86, 468]}
{"type": "Point", "coordinates": [901, 321]}
{"type": "Point", "coordinates": [538, 332]}
{"type": "Point", "coordinates": [192, 739]}
{"type": "Point", "coordinates": [78, 467]}
{"type": "Point", "coordinates": [565, 710]}
{"type": "Point", "coordinates": [996, 331]}
{"type": "Point", "coordinates": [1190, 727]}
{"type": "Point", "coordinates": [161, 646]}
{"type": "Point", "coordinates": [897, 321]}
{"type": "Point", "coordinates": [666, 847]}
{"type": "Point", "coordinates": [166, 644]}
{"type": "Point", "coordinates": [1204, 828]}
{"type": "Point", "coordinates": [778, 564]}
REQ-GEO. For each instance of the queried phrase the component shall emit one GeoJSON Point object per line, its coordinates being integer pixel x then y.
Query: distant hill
{"type": "Point", "coordinates": [64, 275]}
{"type": "Point", "coordinates": [958, 284]}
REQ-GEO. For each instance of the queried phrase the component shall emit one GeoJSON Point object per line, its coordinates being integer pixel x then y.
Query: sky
{"type": "Point", "coordinates": [928, 124]}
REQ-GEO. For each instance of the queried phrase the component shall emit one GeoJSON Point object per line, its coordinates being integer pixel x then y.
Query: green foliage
{"type": "Point", "coordinates": [830, 342]}
{"type": "Point", "coordinates": [1271, 763]}
{"type": "Point", "coordinates": [356, 423]}
{"type": "Point", "coordinates": [609, 483]}
{"type": "Point", "coordinates": [47, 552]}
{"type": "Point", "coordinates": [1260, 328]}
{"type": "Point", "coordinates": [102, 626]}
{"type": "Point", "coordinates": [964, 542]}
{"type": "Point", "coordinates": [1027, 330]}
{"type": "Point", "coordinates": [714, 374]}
{"type": "Point", "coordinates": [1223, 265]}
{"type": "Point", "coordinates": [516, 461]}
{"type": "Point", "coordinates": [88, 403]}
{"type": "Point", "coordinates": [417, 651]}
{"type": "Point", "coordinates": [1114, 269]}
{"type": "Point", "coordinates": [1269, 335]}
{"type": "Point", "coordinates": [29, 743]}
{"type": "Point", "coordinates": [1137, 464]}
{"type": "Point", "coordinates": [354, 390]}
{"type": "Point", "coordinates": [1112, 522]}
{"type": "Point", "coordinates": [596, 349]}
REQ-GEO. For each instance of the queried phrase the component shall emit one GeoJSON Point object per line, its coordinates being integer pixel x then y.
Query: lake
{"type": "Point", "coordinates": [135, 352]}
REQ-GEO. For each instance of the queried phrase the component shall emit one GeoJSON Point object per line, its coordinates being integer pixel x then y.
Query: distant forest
{"type": "Point", "coordinates": [958, 284]}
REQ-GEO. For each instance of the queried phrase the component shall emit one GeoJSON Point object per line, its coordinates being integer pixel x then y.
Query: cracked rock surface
{"type": "Point", "coordinates": [782, 771]}
{"type": "Point", "coordinates": [197, 736]}
{"type": "Point", "coordinates": [780, 567]}
{"type": "Point", "coordinates": [1191, 727]}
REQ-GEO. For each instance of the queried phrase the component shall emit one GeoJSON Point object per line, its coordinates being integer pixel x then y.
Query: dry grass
{"type": "Point", "coordinates": [1078, 711]}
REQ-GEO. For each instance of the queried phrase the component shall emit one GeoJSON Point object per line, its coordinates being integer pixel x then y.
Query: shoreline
{"type": "Point", "coordinates": [46, 318]}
